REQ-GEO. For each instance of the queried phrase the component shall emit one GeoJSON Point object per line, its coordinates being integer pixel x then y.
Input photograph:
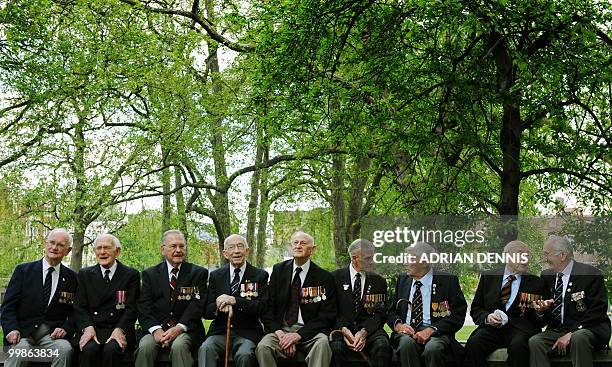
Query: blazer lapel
{"type": "Point", "coordinates": [225, 279]}
{"type": "Point", "coordinates": [38, 284]}
{"type": "Point", "coordinates": [162, 272]}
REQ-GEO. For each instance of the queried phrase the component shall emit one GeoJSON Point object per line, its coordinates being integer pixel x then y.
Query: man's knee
{"type": "Point", "coordinates": [147, 344]}
{"type": "Point", "coordinates": [63, 346]}
{"type": "Point", "coordinates": [536, 342]}
{"type": "Point", "coordinates": [321, 342]}
{"type": "Point", "coordinates": [407, 343]}
{"type": "Point", "coordinates": [433, 349]}
{"type": "Point", "coordinates": [90, 349]}
{"type": "Point", "coordinates": [581, 339]}
{"type": "Point", "coordinates": [112, 348]}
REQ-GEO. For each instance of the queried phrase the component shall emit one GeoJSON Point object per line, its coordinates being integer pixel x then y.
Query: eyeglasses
{"type": "Point", "coordinates": [239, 246]}
{"type": "Point", "coordinates": [174, 247]}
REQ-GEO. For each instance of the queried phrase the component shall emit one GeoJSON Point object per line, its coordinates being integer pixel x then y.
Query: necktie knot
{"type": "Point", "coordinates": [511, 278]}
{"type": "Point", "coordinates": [174, 270]}
{"type": "Point", "coordinates": [418, 284]}
{"type": "Point", "coordinates": [51, 269]}
{"type": "Point", "coordinates": [298, 270]}
{"type": "Point", "coordinates": [237, 271]}
{"type": "Point", "coordinates": [559, 276]}
{"type": "Point", "coordinates": [358, 275]}
{"type": "Point", "coordinates": [107, 272]}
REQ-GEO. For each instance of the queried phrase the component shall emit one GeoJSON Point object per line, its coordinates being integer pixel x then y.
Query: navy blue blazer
{"type": "Point", "coordinates": [24, 309]}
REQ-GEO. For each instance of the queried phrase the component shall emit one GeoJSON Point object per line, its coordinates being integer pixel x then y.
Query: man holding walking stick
{"type": "Point", "coordinates": [237, 295]}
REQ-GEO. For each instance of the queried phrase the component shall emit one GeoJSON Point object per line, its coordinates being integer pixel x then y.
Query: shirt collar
{"type": "Point", "coordinates": [304, 267]}
{"type": "Point", "coordinates": [353, 272]}
{"type": "Point", "coordinates": [426, 280]}
{"type": "Point", "coordinates": [242, 269]}
{"type": "Point", "coordinates": [568, 268]}
{"type": "Point", "coordinates": [46, 266]}
{"type": "Point", "coordinates": [507, 273]}
{"type": "Point", "coordinates": [112, 268]}
{"type": "Point", "coordinates": [169, 267]}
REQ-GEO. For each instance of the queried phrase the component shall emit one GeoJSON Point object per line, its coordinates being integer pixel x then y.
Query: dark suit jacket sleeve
{"type": "Point", "coordinates": [70, 324]}
{"type": "Point", "coordinates": [324, 319]}
{"type": "Point", "coordinates": [128, 318]}
{"type": "Point", "coordinates": [210, 301]}
{"type": "Point", "coordinates": [193, 313]}
{"type": "Point", "coordinates": [477, 311]}
{"type": "Point", "coordinates": [596, 301]}
{"type": "Point", "coordinates": [393, 314]}
{"type": "Point", "coordinates": [146, 315]}
{"type": "Point", "coordinates": [11, 301]}
{"type": "Point", "coordinates": [269, 319]}
{"type": "Point", "coordinates": [255, 307]}
{"type": "Point", "coordinates": [81, 306]}
{"type": "Point", "coordinates": [378, 318]}
{"type": "Point", "coordinates": [451, 324]}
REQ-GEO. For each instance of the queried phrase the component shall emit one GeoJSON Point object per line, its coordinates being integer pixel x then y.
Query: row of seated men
{"type": "Point", "coordinates": [298, 310]}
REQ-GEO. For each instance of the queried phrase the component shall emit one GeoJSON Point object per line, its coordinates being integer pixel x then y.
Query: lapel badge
{"type": "Point", "coordinates": [345, 286]}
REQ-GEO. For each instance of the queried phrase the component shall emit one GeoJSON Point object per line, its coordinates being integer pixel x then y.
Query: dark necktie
{"type": "Point", "coordinates": [558, 301]}
{"type": "Point", "coordinates": [235, 282]}
{"type": "Point", "coordinates": [107, 276]}
{"type": "Point", "coordinates": [417, 306]}
{"type": "Point", "coordinates": [47, 285]}
{"type": "Point", "coordinates": [506, 290]}
{"type": "Point", "coordinates": [173, 278]}
{"type": "Point", "coordinates": [296, 295]}
{"type": "Point", "coordinates": [357, 292]}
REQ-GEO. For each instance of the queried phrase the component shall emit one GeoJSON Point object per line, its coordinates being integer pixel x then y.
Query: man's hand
{"type": "Point", "coordinates": [224, 300]}
{"type": "Point", "coordinates": [58, 333]}
{"type": "Point", "coordinates": [404, 329]}
{"type": "Point", "coordinates": [119, 336]}
{"type": "Point", "coordinates": [13, 337]}
{"type": "Point", "coordinates": [360, 340]}
{"type": "Point", "coordinates": [562, 343]}
{"type": "Point", "coordinates": [541, 306]}
{"type": "Point", "coordinates": [169, 335]}
{"type": "Point", "coordinates": [494, 320]}
{"type": "Point", "coordinates": [289, 339]}
{"type": "Point", "coordinates": [157, 335]}
{"type": "Point", "coordinates": [348, 337]}
{"type": "Point", "coordinates": [423, 336]}
{"type": "Point", "coordinates": [228, 309]}
{"type": "Point", "coordinates": [89, 333]}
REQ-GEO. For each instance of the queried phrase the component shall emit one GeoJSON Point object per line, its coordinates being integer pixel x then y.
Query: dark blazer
{"type": "Point", "coordinates": [247, 312]}
{"type": "Point", "coordinates": [157, 304]}
{"type": "Point", "coordinates": [347, 317]}
{"type": "Point", "coordinates": [447, 289]}
{"type": "Point", "coordinates": [487, 300]}
{"type": "Point", "coordinates": [23, 308]}
{"type": "Point", "coordinates": [589, 279]}
{"type": "Point", "coordinates": [96, 301]}
{"type": "Point", "coordinates": [318, 317]}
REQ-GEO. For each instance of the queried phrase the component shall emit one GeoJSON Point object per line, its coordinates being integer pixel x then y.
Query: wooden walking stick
{"type": "Point", "coordinates": [361, 353]}
{"type": "Point", "coordinates": [227, 336]}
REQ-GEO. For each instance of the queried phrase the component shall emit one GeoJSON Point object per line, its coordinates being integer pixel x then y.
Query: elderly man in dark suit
{"type": "Point", "coordinates": [425, 331]}
{"type": "Point", "coordinates": [240, 290]}
{"type": "Point", "coordinates": [576, 312]}
{"type": "Point", "coordinates": [37, 308]}
{"type": "Point", "coordinates": [361, 309]}
{"type": "Point", "coordinates": [105, 306]}
{"type": "Point", "coordinates": [301, 309]}
{"type": "Point", "coordinates": [507, 291]}
{"type": "Point", "coordinates": [167, 308]}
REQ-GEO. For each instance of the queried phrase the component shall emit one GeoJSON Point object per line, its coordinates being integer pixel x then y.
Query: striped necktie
{"type": "Point", "coordinates": [507, 290]}
{"type": "Point", "coordinates": [417, 306]}
{"type": "Point", "coordinates": [558, 301]}
{"type": "Point", "coordinates": [47, 285]}
{"type": "Point", "coordinates": [357, 293]}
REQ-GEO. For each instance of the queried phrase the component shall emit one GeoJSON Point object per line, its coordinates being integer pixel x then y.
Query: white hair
{"type": "Point", "coordinates": [172, 232]}
{"type": "Point", "coordinates": [562, 244]}
{"type": "Point", "coordinates": [358, 245]}
{"type": "Point", "coordinates": [114, 239]}
{"type": "Point", "coordinates": [515, 246]}
{"type": "Point", "coordinates": [302, 233]}
{"type": "Point", "coordinates": [61, 231]}
{"type": "Point", "coordinates": [235, 235]}
{"type": "Point", "coordinates": [420, 248]}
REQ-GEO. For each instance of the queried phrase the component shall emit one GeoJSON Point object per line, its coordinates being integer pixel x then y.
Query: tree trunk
{"type": "Point", "coordinates": [180, 203]}
{"type": "Point", "coordinates": [220, 200]}
{"type": "Point", "coordinates": [264, 208]}
{"type": "Point", "coordinates": [510, 136]}
{"type": "Point", "coordinates": [358, 184]}
{"type": "Point", "coordinates": [254, 196]}
{"type": "Point", "coordinates": [166, 205]}
{"type": "Point", "coordinates": [338, 209]}
{"type": "Point", "coordinates": [79, 218]}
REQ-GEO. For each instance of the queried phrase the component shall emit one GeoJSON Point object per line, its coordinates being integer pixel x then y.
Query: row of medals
{"type": "Point", "coordinates": [372, 302]}
{"type": "Point", "coordinates": [313, 294]}
{"type": "Point", "coordinates": [66, 297]}
{"type": "Point", "coordinates": [440, 309]}
{"type": "Point", "coordinates": [526, 301]}
{"type": "Point", "coordinates": [186, 292]}
{"type": "Point", "coordinates": [248, 290]}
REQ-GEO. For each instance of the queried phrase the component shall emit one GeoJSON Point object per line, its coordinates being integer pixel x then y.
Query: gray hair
{"type": "Point", "coordinates": [246, 244]}
{"type": "Point", "coordinates": [420, 248]}
{"type": "Point", "coordinates": [562, 244]}
{"type": "Point", "coordinates": [302, 233]}
{"type": "Point", "coordinates": [358, 245]}
{"type": "Point", "coordinates": [515, 246]}
{"type": "Point", "coordinates": [172, 232]}
{"type": "Point", "coordinates": [114, 239]}
{"type": "Point", "coordinates": [61, 231]}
